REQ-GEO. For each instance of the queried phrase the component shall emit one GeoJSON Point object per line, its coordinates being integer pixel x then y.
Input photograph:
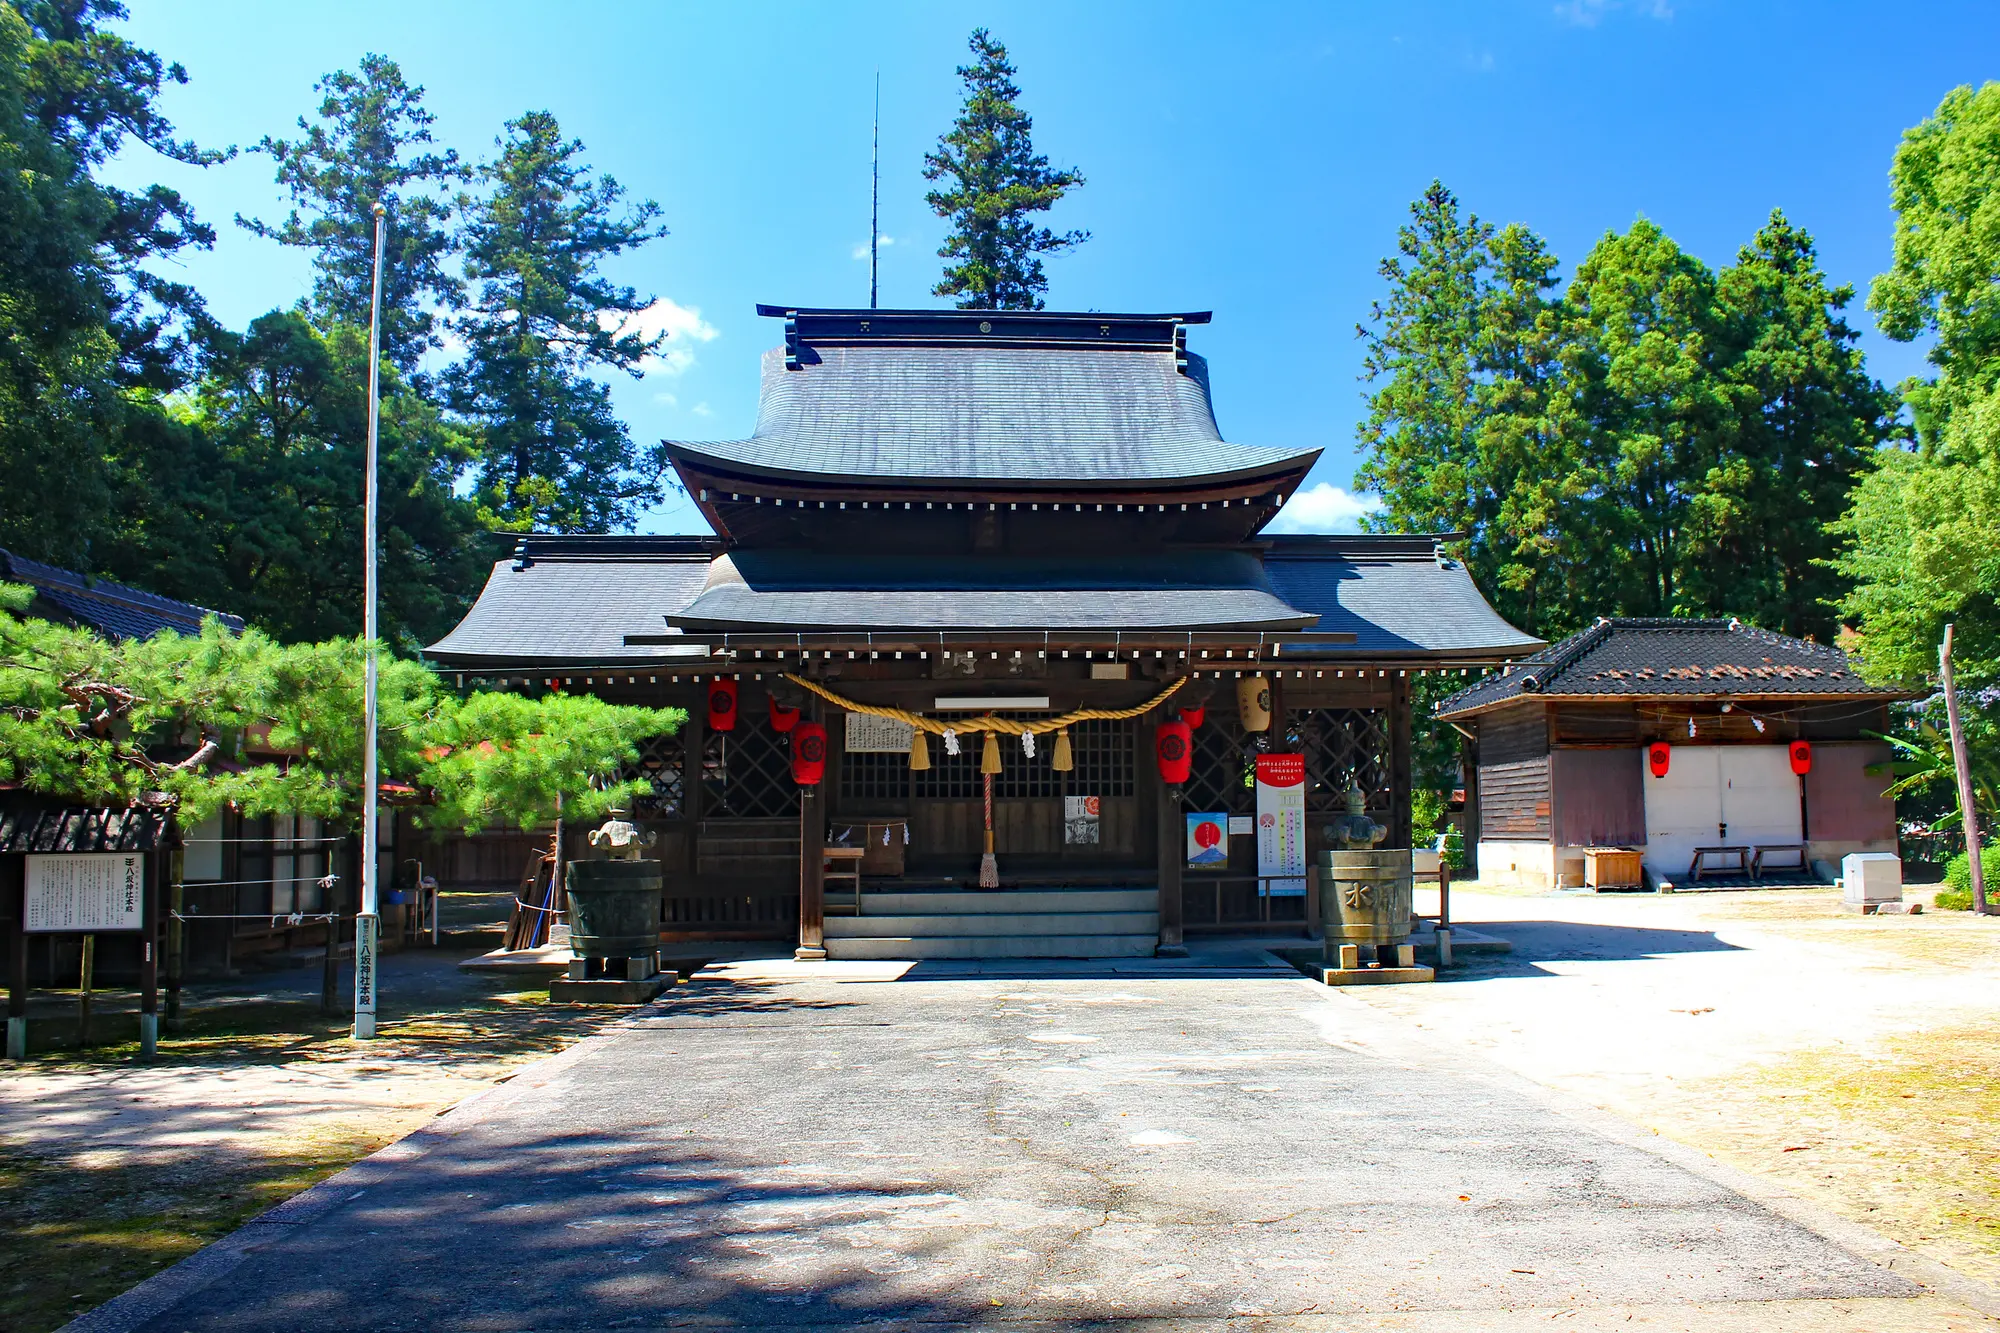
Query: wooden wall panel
{"type": "Point", "coordinates": [1843, 800]}
{"type": "Point", "coordinates": [1514, 800]}
{"type": "Point", "coordinates": [1518, 732]}
{"type": "Point", "coordinates": [1599, 798]}
{"type": "Point", "coordinates": [1595, 724]}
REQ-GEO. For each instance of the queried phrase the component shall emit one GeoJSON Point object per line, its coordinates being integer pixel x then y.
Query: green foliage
{"type": "Point", "coordinates": [502, 758]}
{"type": "Point", "coordinates": [82, 317]}
{"type": "Point", "coordinates": [371, 147]}
{"type": "Point", "coordinates": [997, 183]}
{"type": "Point", "coordinates": [1923, 765]}
{"type": "Point", "coordinates": [1956, 895]}
{"type": "Point", "coordinates": [1922, 524]}
{"type": "Point", "coordinates": [542, 319]}
{"type": "Point", "coordinates": [1427, 814]}
{"type": "Point", "coordinates": [1658, 439]}
{"type": "Point", "coordinates": [166, 720]}
{"type": "Point", "coordinates": [251, 499]}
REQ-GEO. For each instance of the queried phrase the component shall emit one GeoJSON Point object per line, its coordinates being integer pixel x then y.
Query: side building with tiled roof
{"type": "Point", "coordinates": [1716, 750]}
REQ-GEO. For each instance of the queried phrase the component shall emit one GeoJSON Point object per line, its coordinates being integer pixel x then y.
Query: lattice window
{"type": "Point", "coordinates": [1101, 752]}
{"type": "Point", "coordinates": [747, 774]}
{"type": "Point", "coordinates": [1345, 745]}
{"type": "Point", "coordinates": [661, 766]}
{"type": "Point", "coordinates": [873, 775]}
{"type": "Point", "coordinates": [1223, 774]}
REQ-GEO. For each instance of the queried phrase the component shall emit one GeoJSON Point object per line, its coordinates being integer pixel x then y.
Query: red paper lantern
{"type": "Point", "coordinates": [722, 705]}
{"type": "Point", "coordinates": [808, 753]}
{"type": "Point", "coordinates": [1174, 748]}
{"type": "Point", "coordinates": [1801, 755]}
{"type": "Point", "coordinates": [783, 719]}
{"type": "Point", "coordinates": [1658, 755]}
{"type": "Point", "coordinates": [1195, 716]}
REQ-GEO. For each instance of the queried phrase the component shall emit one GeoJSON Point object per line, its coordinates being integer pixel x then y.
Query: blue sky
{"type": "Point", "coordinates": [1252, 159]}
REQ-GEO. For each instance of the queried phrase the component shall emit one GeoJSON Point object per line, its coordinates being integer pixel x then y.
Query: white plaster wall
{"type": "Point", "coordinates": [1528, 864]}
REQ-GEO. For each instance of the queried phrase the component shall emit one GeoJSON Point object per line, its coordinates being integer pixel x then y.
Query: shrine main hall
{"type": "Point", "coordinates": [987, 610]}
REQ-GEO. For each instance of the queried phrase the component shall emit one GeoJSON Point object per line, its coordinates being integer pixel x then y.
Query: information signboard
{"type": "Point", "coordinates": [868, 734]}
{"type": "Point", "coordinates": [1281, 824]}
{"type": "Point", "coordinates": [86, 892]}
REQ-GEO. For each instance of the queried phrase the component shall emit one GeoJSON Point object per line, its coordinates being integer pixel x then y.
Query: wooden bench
{"type": "Point", "coordinates": [1741, 855]}
{"type": "Point", "coordinates": [1797, 849]}
{"type": "Point", "coordinates": [844, 863]}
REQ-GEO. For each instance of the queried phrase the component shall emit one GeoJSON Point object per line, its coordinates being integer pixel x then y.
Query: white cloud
{"type": "Point", "coordinates": [667, 399]}
{"type": "Point", "coordinates": [702, 410]}
{"type": "Point", "coordinates": [683, 326]}
{"type": "Point", "coordinates": [1482, 63]}
{"type": "Point", "coordinates": [861, 250]}
{"type": "Point", "coordinates": [1322, 508]}
{"type": "Point", "coordinates": [1589, 13]}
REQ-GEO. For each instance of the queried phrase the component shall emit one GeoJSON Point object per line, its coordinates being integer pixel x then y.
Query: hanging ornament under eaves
{"type": "Point", "coordinates": [783, 719]}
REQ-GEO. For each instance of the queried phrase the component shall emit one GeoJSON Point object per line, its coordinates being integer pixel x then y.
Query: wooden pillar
{"type": "Point", "coordinates": [15, 869]}
{"type": "Point", "coordinates": [694, 747]}
{"type": "Point", "coordinates": [1169, 838]}
{"type": "Point", "coordinates": [1399, 761]}
{"type": "Point", "coordinates": [1469, 763]}
{"type": "Point", "coordinates": [149, 954]}
{"type": "Point", "coordinates": [812, 869]}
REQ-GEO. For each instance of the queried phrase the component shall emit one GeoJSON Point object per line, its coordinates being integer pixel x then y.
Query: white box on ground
{"type": "Point", "coordinates": [1871, 877]}
{"type": "Point", "coordinates": [1425, 861]}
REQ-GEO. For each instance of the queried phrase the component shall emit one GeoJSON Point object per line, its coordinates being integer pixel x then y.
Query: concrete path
{"type": "Point", "coordinates": [1218, 1146]}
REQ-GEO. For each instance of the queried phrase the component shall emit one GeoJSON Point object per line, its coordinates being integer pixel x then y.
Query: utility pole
{"type": "Point", "coordinates": [368, 921]}
{"type": "Point", "coordinates": [875, 201]}
{"type": "Point", "coordinates": [1968, 813]}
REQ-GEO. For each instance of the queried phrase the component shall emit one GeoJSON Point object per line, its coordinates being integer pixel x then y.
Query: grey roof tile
{"type": "Point", "coordinates": [111, 609]}
{"type": "Point", "coordinates": [789, 591]}
{"type": "Point", "coordinates": [1654, 658]}
{"type": "Point", "coordinates": [573, 608]}
{"type": "Point", "coordinates": [981, 413]}
{"type": "Point", "coordinates": [1393, 593]}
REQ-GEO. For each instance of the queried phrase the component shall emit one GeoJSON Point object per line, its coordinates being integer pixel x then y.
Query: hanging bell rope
{"type": "Point", "coordinates": [989, 754]}
{"type": "Point", "coordinates": [1006, 726]}
{"type": "Point", "coordinates": [1061, 761]}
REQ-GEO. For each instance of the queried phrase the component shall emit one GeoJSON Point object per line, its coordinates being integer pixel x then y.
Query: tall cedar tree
{"type": "Point", "coordinates": [553, 456]}
{"type": "Point", "coordinates": [998, 182]}
{"type": "Point", "coordinates": [84, 323]}
{"type": "Point", "coordinates": [371, 146]}
{"type": "Point", "coordinates": [1922, 525]}
{"type": "Point", "coordinates": [1657, 440]}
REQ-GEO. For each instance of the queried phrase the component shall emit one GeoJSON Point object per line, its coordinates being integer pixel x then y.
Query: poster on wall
{"type": "Point", "coordinates": [1080, 821]}
{"type": "Point", "coordinates": [868, 734]}
{"type": "Point", "coordinates": [1281, 824]}
{"type": "Point", "coordinates": [86, 891]}
{"type": "Point", "coordinates": [1207, 841]}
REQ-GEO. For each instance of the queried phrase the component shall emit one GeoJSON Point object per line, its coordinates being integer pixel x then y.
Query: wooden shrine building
{"type": "Point", "coordinates": [983, 522]}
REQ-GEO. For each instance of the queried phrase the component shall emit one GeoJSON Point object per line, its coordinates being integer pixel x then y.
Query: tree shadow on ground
{"type": "Point", "coordinates": [579, 1230]}
{"type": "Point", "coordinates": [1538, 942]}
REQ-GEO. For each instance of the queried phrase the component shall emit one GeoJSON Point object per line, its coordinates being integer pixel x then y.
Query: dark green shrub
{"type": "Point", "coordinates": [1956, 895]}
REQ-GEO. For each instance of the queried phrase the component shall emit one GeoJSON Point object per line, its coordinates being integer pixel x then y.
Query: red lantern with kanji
{"type": "Point", "coordinates": [783, 719]}
{"type": "Point", "coordinates": [1658, 755]}
{"type": "Point", "coordinates": [1801, 756]}
{"type": "Point", "coordinates": [1195, 715]}
{"type": "Point", "coordinates": [722, 705]}
{"type": "Point", "coordinates": [808, 753]}
{"type": "Point", "coordinates": [1174, 748]}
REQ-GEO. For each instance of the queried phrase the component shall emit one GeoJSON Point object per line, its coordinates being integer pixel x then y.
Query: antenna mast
{"type": "Point", "coordinates": [875, 199]}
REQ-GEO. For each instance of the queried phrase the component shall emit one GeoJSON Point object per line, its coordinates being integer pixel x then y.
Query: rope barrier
{"type": "Point", "coordinates": [1005, 726]}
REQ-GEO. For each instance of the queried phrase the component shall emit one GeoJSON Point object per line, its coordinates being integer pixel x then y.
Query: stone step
{"type": "Point", "coordinates": [1012, 902]}
{"type": "Point", "coordinates": [950, 925]}
{"type": "Point", "coordinates": [992, 946]}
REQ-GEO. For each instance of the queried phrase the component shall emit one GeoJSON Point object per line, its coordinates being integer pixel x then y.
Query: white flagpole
{"type": "Point", "coordinates": [368, 921]}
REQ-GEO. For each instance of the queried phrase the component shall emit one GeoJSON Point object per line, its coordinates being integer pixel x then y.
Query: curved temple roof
{"type": "Point", "coordinates": [936, 397]}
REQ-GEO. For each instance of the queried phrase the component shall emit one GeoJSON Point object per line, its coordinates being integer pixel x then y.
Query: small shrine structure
{"type": "Point", "coordinates": [988, 600]}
